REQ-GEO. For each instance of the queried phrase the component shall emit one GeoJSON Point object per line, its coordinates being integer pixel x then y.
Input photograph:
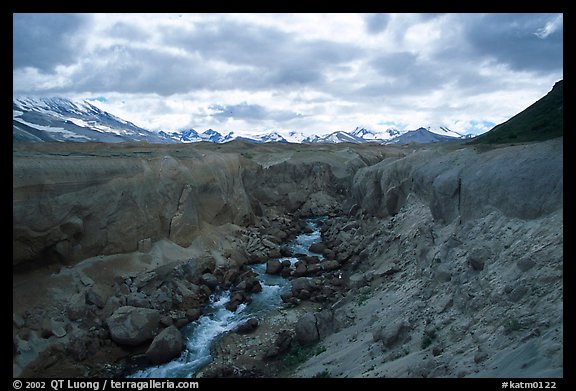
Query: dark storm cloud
{"type": "Point", "coordinates": [523, 42]}
{"type": "Point", "coordinates": [251, 112]}
{"type": "Point", "coordinates": [44, 41]}
{"type": "Point", "coordinates": [128, 32]}
{"type": "Point", "coordinates": [403, 73]}
{"type": "Point", "coordinates": [513, 39]}
{"type": "Point", "coordinates": [279, 57]}
{"type": "Point", "coordinates": [406, 74]}
{"type": "Point", "coordinates": [230, 42]}
{"type": "Point", "coordinates": [141, 70]}
{"type": "Point", "coordinates": [349, 68]}
{"type": "Point", "coordinates": [376, 23]}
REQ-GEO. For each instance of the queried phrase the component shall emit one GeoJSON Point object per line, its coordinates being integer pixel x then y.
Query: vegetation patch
{"type": "Point", "coordinates": [512, 325]}
{"type": "Point", "coordinates": [324, 374]}
{"type": "Point", "coordinates": [299, 354]}
{"type": "Point", "coordinates": [362, 298]}
{"type": "Point", "coordinates": [429, 337]}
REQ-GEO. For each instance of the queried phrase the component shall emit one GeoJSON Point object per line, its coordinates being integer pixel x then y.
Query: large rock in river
{"type": "Point", "coordinates": [166, 346]}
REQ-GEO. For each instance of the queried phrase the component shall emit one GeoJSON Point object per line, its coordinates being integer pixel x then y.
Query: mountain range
{"type": "Point", "coordinates": [61, 119]}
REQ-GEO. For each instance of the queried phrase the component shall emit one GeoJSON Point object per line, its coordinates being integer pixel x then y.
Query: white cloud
{"type": "Point", "coordinates": [307, 72]}
{"type": "Point", "coordinates": [551, 27]}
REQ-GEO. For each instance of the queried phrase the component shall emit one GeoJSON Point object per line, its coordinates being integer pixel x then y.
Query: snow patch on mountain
{"type": "Point", "coordinates": [61, 119]}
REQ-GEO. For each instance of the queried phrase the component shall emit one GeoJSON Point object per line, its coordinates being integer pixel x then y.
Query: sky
{"type": "Point", "coordinates": [314, 73]}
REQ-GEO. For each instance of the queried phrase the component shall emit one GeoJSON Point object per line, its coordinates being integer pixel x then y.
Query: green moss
{"type": "Point", "coordinates": [362, 298]}
{"type": "Point", "coordinates": [512, 325]}
{"type": "Point", "coordinates": [299, 354]}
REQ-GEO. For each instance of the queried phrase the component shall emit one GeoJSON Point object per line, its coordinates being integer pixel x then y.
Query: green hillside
{"type": "Point", "coordinates": [543, 120]}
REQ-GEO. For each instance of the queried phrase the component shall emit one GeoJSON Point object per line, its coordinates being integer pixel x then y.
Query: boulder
{"type": "Point", "coordinates": [138, 299]}
{"type": "Point", "coordinates": [306, 330]}
{"type": "Point", "coordinates": [286, 296]}
{"type": "Point", "coordinates": [253, 285]}
{"type": "Point", "coordinates": [324, 323]}
{"type": "Point", "coordinates": [247, 327]}
{"type": "Point", "coordinates": [313, 269]}
{"type": "Point", "coordinates": [161, 299]}
{"type": "Point", "coordinates": [193, 314]}
{"type": "Point", "coordinates": [133, 325]}
{"type": "Point", "coordinates": [53, 327]}
{"type": "Point", "coordinates": [330, 265]}
{"type": "Point", "coordinates": [392, 333]}
{"type": "Point", "coordinates": [190, 295]}
{"type": "Point", "coordinates": [165, 346]}
{"type": "Point", "coordinates": [303, 283]}
{"type": "Point", "coordinates": [304, 294]}
{"type": "Point", "coordinates": [230, 277]}
{"type": "Point", "coordinates": [310, 260]}
{"type": "Point", "coordinates": [209, 280]}
{"type": "Point", "coordinates": [281, 344]}
{"type": "Point", "coordinates": [112, 304]}
{"type": "Point", "coordinates": [301, 269]}
{"type": "Point", "coordinates": [77, 308]}
{"type": "Point", "coordinates": [317, 248]}
{"type": "Point", "coordinates": [237, 298]}
{"type": "Point", "coordinates": [274, 266]}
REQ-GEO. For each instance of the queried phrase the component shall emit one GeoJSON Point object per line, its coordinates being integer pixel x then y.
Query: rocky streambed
{"type": "Point", "coordinates": [260, 311]}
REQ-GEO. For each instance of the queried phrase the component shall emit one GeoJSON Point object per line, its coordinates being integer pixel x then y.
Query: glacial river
{"type": "Point", "coordinates": [217, 320]}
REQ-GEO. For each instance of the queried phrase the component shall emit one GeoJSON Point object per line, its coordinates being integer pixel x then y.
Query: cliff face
{"type": "Point", "coordinates": [71, 202]}
{"type": "Point", "coordinates": [524, 181]}
{"type": "Point", "coordinates": [455, 231]}
{"type": "Point", "coordinates": [68, 208]}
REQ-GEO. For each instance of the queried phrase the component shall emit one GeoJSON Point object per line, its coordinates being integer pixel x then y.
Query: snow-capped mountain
{"type": "Point", "coordinates": [420, 136]}
{"type": "Point", "coordinates": [185, 136]}
{"type": "Point", "coordinates": [60, 119]}
{"type": "Point", "coordinates": [340, 137]}
{"type": "Point", "coordinates": [357, 136]}
{"type": "Point", "coordinates": [444, 131]}
{"type": "Point", "coordinates": [372, 135]}
{"type": "Point", "coordinates": [192, 136]}
{"type": "Point", "coordinates": [272, 137]}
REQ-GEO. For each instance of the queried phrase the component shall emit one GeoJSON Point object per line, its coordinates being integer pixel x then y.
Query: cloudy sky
{"type": "Point", "coordinates": [314, 73]}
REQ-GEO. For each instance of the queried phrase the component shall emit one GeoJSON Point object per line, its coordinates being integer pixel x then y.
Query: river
{"type": "Point", "coordinates": [217, 320]}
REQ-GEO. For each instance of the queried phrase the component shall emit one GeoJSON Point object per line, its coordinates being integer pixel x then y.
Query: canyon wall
{"type": "Point", "coordinates": [72, 202]}
{"type": "Point", "coordinates": [524, 181]}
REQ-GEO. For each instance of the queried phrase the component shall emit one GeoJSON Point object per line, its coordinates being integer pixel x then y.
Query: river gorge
{"type": "Point", "coordinates": [436, 260]}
